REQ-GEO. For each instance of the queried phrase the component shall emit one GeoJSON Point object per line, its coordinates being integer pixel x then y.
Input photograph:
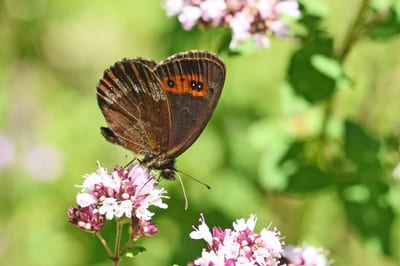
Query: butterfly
{"type": "Point", "coordinates": [159, 109]}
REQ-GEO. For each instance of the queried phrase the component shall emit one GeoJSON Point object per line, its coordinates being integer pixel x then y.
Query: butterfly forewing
{"type": "Point", "coordinates": [135, 107]}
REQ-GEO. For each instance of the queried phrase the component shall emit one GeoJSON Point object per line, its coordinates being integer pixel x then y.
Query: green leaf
{"type": "Point", "coordinates": [360, 146]}
{"type": "Point", "coordinates": [396, 8]}
{"type": "Point", "coordinates": [312, 23]}
{"type": "Point", "coordinates": [223, 46]}
{"type": "Point", "coordinates": [305, 78]}
{"type": "Point", "coordinates": [367, 210]}
{"type": "Point", "coordinates": [388, 28]}
{"type": "Point", "coordinates": [295, 152]}
{"type": "Point", "coordinates": [327, 65]}
{"type": "Point", "coordinates": [179, 39]}
{"type": "Point", "coordinates": [134, 251]}
{"type": "Point", "coordinates": [308, 178]}
{"type": "Point", "coordinates": [381, 5]}
{"type": "Point", "coordinates": [316, 7]}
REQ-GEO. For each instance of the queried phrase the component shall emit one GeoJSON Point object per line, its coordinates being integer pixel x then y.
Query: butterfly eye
{"type": "Point", "coordinates": [171, 83]}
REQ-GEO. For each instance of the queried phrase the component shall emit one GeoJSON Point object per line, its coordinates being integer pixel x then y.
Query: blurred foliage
{"type": "Point", "coordinates": [306, 133]}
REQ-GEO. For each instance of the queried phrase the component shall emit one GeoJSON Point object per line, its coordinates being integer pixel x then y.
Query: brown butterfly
{"type": "Point", "coordinates": [159, 110]}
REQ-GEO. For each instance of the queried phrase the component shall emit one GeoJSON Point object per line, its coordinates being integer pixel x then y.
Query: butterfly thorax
{"type": "Point", "coordinates": [165, 165]}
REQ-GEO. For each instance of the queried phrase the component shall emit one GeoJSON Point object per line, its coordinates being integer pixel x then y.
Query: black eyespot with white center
{"type": "Point", "coordinates": [171, 83]}
{"type": "Point", "coordinates": [198, 86]}
{"type": "Point", "coordinates": [193, 84]}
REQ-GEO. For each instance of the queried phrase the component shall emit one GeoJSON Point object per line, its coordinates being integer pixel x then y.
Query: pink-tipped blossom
{"type": "Point", "coordinates": [305, 256]}
{"type": "Point", "coordinates": [121, 193]}
{"type": "Point", "coordinates": [146, 228]}
{"type": "Point", "coordinates": [254, 20]}
{"type": "Point", "coordinates": [86, 218]}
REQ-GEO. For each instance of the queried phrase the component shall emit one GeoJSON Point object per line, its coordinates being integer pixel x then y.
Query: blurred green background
{"type": "Point", "coordinates": [257, 153]}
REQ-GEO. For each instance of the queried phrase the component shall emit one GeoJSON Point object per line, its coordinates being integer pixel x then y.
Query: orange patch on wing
{"type": "Point", "coordinates": [191, 84]}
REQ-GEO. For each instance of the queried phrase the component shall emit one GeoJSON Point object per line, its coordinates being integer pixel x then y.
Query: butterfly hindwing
{"type": "Point", "coordinates": [193, 83]}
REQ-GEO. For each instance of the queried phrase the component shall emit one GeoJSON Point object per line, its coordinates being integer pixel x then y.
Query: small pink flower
{"type": "Point", "coordinates": [240, 25]}
{"type": "Point", "coordinates": [213, 10]}
{"type": "Point", "coordinates": [108, 207]}
{"type": "Point", "coordinates": [85, 199]}
{"type": "Point", "coordinates": [260, 40]}
{"type": "Point", "coordinates": [279, 28]}
{"type": "Point", "coordinates": [143, 213]}
{"type": "Point", "coordinates": [7, 149]}
{"type": "Point", "coordinates": [396, 172]}
{"type": "Point", "coordinates": [305, 255]}
{"type": "Point", "coordinates": [147, 229]}
{"type": "Point", "coordinates": [265, 7]}
{"type": "Point", "coordinates": [189, 16]}
{"type": "Point", "coordinates": [289, 8]}
{"type": "Point", "coordinates": [125, 207]}
{"type": "Point", "coordinates": [242, 224]}
{"type": "Point", "coordinates": [173, 7]}
{"type": "Point", "coordinates": [202, 232]}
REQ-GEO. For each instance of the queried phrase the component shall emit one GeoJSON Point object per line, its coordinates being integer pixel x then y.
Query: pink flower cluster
{"type": "Point", "coordinates": [240, 246]}
{"type": "Point", "coordinates": [304, 256]}
{"type": "Point", "coordinates": [248, 19]}
{"type": "Point", "coordinates": [122, 193]}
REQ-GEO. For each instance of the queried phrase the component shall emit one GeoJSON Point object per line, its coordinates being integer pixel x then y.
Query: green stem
{"type": "Point", "coordinates": [352, 34]}
{"type": "Point", "coordinates": [103, 241]}
{"type": "Point", "coordinates": [133, 236]}
{"type": "Point", "coordinates": [127, 245]}
{"type": "Point", "coordinates": [378, 18]}
{"type": "Point", "coordinates": [328, 107]}
{"type": "Point", "coordinates": [115, 258]}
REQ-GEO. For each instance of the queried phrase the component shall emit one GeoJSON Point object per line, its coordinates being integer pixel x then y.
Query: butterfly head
{"type": "Point", "coordinates": [165, 165]}
{"type": "Point", "coordinates": [168, 173]}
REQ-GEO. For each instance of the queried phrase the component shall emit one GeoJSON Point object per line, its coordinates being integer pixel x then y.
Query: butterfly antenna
{"type": "Point", "coordinates": [183, 189]}
{"type": "Point", "coordinates": [133, 160]}
{"type": "Point", "coordinates": [195, 179]}
{"type": "Point", "coordinates": [149, 179]}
